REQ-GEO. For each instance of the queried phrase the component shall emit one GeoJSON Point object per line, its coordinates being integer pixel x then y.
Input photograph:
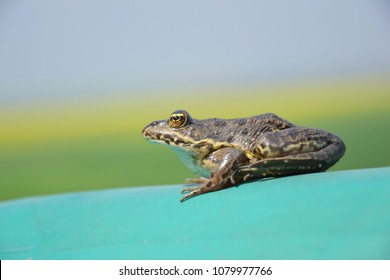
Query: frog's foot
{"type": "Point", "coordinates": [212, 184]}
{"type": "Point", "coordinates": [222, 176]}
{"type": "Point", "coordinates": [187, 190]}
{"type": "Point", "coordinates": [215, 183]}
{"type": "Point", "coordinates": [200, 180]}
{"type": "Point", "coordinates": [191, 192]}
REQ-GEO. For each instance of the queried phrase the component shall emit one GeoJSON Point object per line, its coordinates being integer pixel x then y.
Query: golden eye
{"type": "Point", "coordinates": [178, 119]}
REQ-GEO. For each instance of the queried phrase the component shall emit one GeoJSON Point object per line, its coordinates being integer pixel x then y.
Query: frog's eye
{"type": "Point", "coordinates": [178, 119]}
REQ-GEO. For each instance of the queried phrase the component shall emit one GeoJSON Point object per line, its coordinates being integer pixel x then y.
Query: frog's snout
{"type": "Point", "coordinates": [149, 130]}
{"type": "Point", "coordinates": [145, 131]}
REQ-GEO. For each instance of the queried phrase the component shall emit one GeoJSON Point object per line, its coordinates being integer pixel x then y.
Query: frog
{"type": "Point", "coordinates": [230, 152]}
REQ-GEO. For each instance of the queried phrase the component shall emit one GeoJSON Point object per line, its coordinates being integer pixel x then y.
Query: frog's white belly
{"type": "Point", "coordinates": [191, 162]}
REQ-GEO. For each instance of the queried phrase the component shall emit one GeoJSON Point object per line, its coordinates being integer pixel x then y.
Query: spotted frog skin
{"type": "Point", "coordinates": [228, 152]}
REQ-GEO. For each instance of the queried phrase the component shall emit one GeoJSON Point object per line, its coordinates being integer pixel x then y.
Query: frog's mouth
{"type": "Point", "coordinates": [165, 137]}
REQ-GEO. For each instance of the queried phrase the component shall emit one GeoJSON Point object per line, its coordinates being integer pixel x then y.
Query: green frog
{"type": "Point", "coordinates": [228, 152]}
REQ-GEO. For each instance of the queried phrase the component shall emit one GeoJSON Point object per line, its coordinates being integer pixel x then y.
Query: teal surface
{"type": "Point", "coordinates": [332, 215]}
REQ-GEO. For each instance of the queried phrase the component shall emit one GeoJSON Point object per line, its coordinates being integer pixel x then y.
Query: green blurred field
{"type": "Point", "coordinates": [66, 148]}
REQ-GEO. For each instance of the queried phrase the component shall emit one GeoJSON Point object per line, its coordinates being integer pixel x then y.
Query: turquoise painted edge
{"type": "Point", "coordinates": [332, 215]}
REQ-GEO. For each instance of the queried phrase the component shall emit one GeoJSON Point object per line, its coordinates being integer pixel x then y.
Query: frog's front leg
{"type": "Point", "coordinates": [225, 162]}
{"type": "Point", "coordinates": [292, 151]}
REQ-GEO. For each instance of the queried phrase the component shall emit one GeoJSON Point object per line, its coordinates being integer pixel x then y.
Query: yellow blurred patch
{"type": "Point", "coordinates": [131, 112]}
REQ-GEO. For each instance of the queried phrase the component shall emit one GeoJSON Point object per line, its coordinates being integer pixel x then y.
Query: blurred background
{"type": "Point", "coordinates": [80, 79]}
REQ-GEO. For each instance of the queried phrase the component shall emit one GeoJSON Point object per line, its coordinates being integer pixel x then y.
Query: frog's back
{"type": "Point", "coordinates": [264, 122]}
{"type": "Point", "coordinates": [244, 132]}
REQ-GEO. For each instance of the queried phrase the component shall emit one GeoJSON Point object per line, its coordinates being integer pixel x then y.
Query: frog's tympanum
{"type": "Point", "coordinates": [230, 152]}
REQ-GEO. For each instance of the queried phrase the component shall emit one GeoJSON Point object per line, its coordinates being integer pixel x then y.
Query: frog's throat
{"type": "Point", "coordinates": [201, 148]}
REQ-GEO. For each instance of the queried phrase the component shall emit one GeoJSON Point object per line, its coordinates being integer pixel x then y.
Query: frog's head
{"type": "Point", "coordinates": [175, 131]}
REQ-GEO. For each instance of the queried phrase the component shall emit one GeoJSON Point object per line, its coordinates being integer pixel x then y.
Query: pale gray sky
{"type": "Point", "coordinates": [66, 47]}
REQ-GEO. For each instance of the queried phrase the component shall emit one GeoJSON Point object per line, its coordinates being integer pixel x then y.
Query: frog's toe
{"type": "Point", "coordinates": [189, 195]}
{"type": "Point", "coordinates": [200, 180]}
{"type": "Point", "coordinates": [187, 190]}
{"type": "Point", "coordinates": [190, 192]}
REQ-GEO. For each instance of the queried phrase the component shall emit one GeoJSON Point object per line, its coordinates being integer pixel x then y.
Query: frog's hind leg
{"type": "Point", "coordinates": [298, 151]}
{"type": "Point", "coordinates": [278, 167]}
